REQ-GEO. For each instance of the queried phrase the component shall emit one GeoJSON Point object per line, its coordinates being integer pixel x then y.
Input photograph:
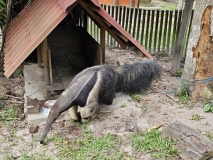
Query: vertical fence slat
{"type": "Point", "coordinates": [147, 29]}
{"type": "Point", "coordinates": [113, 10]}
{"type": "Point", "coordinates": [160, 30]}
{"type": "Point", "coordinates": [139, 24]}
{"type": "Point", "coordinates": [143, 27]}
{"type": "Point", "coordinates": [130, 22]}
{"type": "Point", "coordinates": [169, 32]}
{"type": "Point", "coordinates": [134, 23]}
{"type": "Point", "coordinates": [116, 18]}
{"type": "Point", "coordinates": [127, 19]}
{"type": "Point", "coordinates": [124, 15]}
{"type": "Point", "coordinates": [156, 30]}
{"type": "Point", "coordinates": [174, 30]}
{"type": "Point", "coordinates": [108, 36]}
{"type": "Point", "coordinates": [165, 32]}
{"type": "Point", "coordinates": [151, 30]}
{"type": "Point", "coordinates": [120, 14]}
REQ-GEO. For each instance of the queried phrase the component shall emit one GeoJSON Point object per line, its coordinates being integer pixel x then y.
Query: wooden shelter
{"type": "Point", "coordinates": [38, 26]}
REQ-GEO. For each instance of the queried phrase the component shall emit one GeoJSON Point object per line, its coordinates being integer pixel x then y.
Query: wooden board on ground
{"type": "Point", "coordinates": [191, 143]}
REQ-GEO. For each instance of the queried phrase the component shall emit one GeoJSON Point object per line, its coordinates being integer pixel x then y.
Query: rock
{"type": "Point", "coordinates": [16, 154]}
{"type": "Point", "coordinates": [33, 129]}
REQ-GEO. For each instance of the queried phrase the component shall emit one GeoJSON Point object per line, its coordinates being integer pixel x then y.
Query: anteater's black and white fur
{"type": "Point", "coordinates": [99, 84]}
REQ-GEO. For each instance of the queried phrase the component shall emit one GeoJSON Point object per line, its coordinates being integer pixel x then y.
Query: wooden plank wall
{"type": "Point", "coordinates": [155, 30]}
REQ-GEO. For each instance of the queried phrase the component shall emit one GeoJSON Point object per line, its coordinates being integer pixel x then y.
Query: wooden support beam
{"type": "Point", "coordinates": [102, 45]}
{"type": "Point", "coordinates": [191, 143]}
{"type": "Point", "coordinates": [100, 21]}
{"type": "Point", "coordinates": [50, 67]}
{"type": "Point", "coordinates": [186, 16]}
{"type": "Point", "coordinates": [39, 55]}
{"type": "Point", "coordinates": [45, 55]}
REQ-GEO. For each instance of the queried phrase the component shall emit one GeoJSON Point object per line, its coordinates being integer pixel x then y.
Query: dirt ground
{"type": "Point", "coordinates": [157, 105]}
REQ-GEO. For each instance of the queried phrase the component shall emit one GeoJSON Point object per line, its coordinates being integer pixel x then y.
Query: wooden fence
{"type": "Point", "coordinates": [155, 30]}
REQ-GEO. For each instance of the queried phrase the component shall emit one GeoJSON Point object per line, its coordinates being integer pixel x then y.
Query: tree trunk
{"type": "Point", "coordinates": [198, 68]}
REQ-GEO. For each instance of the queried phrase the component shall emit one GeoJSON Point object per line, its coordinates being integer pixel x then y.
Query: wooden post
{"type": "Point", "coordinates": [187, 12]}
{"type": "Point", "coordinates": [39, 55]}
{"type": "Point", "coordinates": [102, 59]}
{"type": "Point", "coordinates": [45, 54]}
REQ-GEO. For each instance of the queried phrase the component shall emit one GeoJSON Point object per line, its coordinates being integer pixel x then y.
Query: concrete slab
{"type": "Point", "coordinates": [35, 90]}
{"type": "Point", "coordinates": [40, 118]}
{"type": "Point", "coordinates": [35, 85]}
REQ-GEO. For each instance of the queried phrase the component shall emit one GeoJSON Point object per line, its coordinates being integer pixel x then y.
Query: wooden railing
{"type": "Point", "coordinates": [155, 30]}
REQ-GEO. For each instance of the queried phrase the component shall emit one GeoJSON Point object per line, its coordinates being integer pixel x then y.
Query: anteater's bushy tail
{"type": "Point", "coordinates": [137, 76]}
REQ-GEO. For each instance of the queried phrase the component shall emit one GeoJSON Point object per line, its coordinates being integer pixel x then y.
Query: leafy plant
{"type": "Point", "coordinates": [178, 73]}
{"type": "Point", "coordinates": [152, 142]}
{"type": "Point", "coordinates": [196, 117]}
{"type": "Point", "coordinates": [183, 94]}
{"type": "Point", "coordinates": [3, 13]}
{"type": "Point", "coordinates": [208, 106]}
{"type": "Point", "coordinates": [209, 135]}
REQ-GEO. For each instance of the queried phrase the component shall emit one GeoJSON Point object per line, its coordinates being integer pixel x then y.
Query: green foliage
{"type": "Point", "coordinates": [3, 13]}
{"type": "Point", "coordinates": [152, 142]}
{"type": "Point", "coordinates": [196, 117]}
{"type": "Point", "coordinates": [183, 94]}
{"type": "Point", "coordinates": [208, 106]}
{"type": "Point", "coordinates": [136, 97]}
{"type": "Point", "coordinates": [178, 73]}
{"type": "Point", "coordinates": [123, 104]}
{"type": "Point", "coordinates": [35, 156]}
{"type": "Point", "coordinates": [89, 147]}
{"type": "Point", "coordinates": [209, 135]}
{"type": "Point", "coordinates": [9, 113]}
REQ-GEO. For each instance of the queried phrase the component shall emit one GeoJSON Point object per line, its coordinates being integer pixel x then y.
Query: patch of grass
{"type": "Point", "coordinates": [40, 156]}
{"type": "Point", "coordinates": [18, 72]}
{"type": "Point", "coordinates": [183, 94]}
{"type": "Point", "coordinates": [196, 117]}
{"type": "Point", "coordinates": [178, 73]}
{"type": "Point", "coordinates": [11, 113]}
{"type": "Point", "coordinates": [152, 142]}
{"type": "Point", "coordinates": [123, 104]}
{"type": "Point", "coordinates": [209, 135]}
{"type": "Point", "coordinates": [144, 107]}
{"type": "Point", "coordinates": [136, 97]}
{"type": "Point", "coordinates": [89, 147]}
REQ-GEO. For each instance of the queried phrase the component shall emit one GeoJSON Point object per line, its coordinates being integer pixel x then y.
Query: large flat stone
{"type": "Point", "coordinates": [35, 85]}
{"type": "Point", "coordinates": [40, 118]}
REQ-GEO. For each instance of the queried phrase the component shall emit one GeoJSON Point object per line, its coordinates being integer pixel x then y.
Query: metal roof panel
{"type": "Point", "coordinates": [29, 28]}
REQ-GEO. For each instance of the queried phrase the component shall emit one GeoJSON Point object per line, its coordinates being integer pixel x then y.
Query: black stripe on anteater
{"type": "Point", "coordinates": [81, 99]}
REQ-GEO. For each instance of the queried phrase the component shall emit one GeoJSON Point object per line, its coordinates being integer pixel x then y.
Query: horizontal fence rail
{"type": "Point", "coordinates": [155, 30]}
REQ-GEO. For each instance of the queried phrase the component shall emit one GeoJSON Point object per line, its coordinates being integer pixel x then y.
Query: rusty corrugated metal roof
{"type": "Point", "coordinates": [28, 29]}
{"type": "Point", "coordinates": [35, 22]}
